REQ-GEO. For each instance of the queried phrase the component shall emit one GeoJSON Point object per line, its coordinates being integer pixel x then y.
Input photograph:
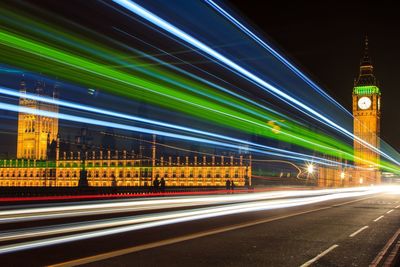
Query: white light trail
{"type": "Point", "coordinates": [91, 225]}
{"type": "Point", "coordinates": [186, 216]}
{"type": "Point", "coordinates": [78, 209]}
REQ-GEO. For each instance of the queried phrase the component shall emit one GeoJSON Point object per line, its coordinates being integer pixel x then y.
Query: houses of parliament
{"type": "Point", "coordinates": [42, 162]}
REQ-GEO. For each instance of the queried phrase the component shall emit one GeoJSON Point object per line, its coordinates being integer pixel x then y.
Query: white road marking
{"type": "Point", "coordinates": [358, 231]}
{"type": "Point", "coordinates": [389, 211]}
{"type": "Point", "coordinates": [308, 263]}
{"type": "Point", "coordinates": [397, 207]}
{"type": "Point", "coordinates": [377, 219]}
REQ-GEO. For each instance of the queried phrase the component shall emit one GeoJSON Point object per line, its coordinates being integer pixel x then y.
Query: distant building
{"type": "Point", "coordinates": [41, 160]}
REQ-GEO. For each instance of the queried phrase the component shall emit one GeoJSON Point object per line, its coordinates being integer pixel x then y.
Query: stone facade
{"type": "Point", "coordinates": [120, 170]}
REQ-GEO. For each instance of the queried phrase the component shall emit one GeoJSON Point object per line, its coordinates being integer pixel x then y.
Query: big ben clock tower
{"type": "Point", "coordinates": [366, 112]}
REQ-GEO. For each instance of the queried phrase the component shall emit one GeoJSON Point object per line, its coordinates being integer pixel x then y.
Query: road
{"type": "Point", "coordinates": [318, 228]}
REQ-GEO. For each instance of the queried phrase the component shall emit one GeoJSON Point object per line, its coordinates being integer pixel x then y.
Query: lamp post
{"type": "Point", "coordinates": [83, 143]}
{"type": "Point", "coordinates": [342, 176]}
{"type": "Point", "coordinates": [246, 176]}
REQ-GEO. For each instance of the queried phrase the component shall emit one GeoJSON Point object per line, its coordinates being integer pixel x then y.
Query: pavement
{"type": "Point", "coordinates": [349, 231]}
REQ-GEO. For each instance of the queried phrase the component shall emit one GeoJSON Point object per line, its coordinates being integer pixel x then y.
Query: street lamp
{"type": "Point", "coordinates": [310, 168]}
{"type": "Point", "coordinates": [84, 142]}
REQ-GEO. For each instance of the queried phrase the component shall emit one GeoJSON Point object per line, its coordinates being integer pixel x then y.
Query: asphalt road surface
{"type": "Point", "coordinates": [345, 231]}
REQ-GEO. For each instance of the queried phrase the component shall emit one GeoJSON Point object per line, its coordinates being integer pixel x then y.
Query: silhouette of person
{"type": "Point", "coordinates": [232, 185]}
{"type": "Point", "coordinates": [227, 184]}
{"type": "Point", "coordinates": [156, 184]}
{"type": "Point", "coordinates": [162, 185]}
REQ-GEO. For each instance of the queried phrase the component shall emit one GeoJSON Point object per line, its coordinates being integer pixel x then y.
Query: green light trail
{"type": "Point", "coordinates": [144, 89]}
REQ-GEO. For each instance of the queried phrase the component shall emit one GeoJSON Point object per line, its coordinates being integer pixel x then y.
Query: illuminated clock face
{"type": "Point", "coordinates": [364, 102]}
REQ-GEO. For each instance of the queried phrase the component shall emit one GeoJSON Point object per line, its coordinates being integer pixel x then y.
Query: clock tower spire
{"type": "Point", "coordinates": [366, 76]}
{"type": "Point", "coordinates": [366, 112]}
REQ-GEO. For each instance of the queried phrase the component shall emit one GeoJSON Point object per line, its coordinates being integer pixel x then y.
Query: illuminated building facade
{"type": "Point", "coordinates": [122, 170]}
{"type": "Point", "coordinates": [37, 165]}
{"type": "Point", "coordinates": [334, 176]}
{"type": "Point", "coordinates": [35, 132]}
{"type": "Point", "coordinates": [366, 112]}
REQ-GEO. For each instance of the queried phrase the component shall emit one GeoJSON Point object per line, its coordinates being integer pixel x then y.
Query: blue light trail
{"type": "Point", "coordinates": [149, 16]}
{"type": "Point", "coordinates": [292, 155]}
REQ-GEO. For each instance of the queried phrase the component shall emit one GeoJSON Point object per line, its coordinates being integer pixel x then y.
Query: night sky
{"type": "Point", "coordinates": [326, 39]}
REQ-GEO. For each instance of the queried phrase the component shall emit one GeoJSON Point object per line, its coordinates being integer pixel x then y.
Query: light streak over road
{"type": "Point", "coordinates": [102, 207]}
{"type": "Point", "coordinates": [133, 223]}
